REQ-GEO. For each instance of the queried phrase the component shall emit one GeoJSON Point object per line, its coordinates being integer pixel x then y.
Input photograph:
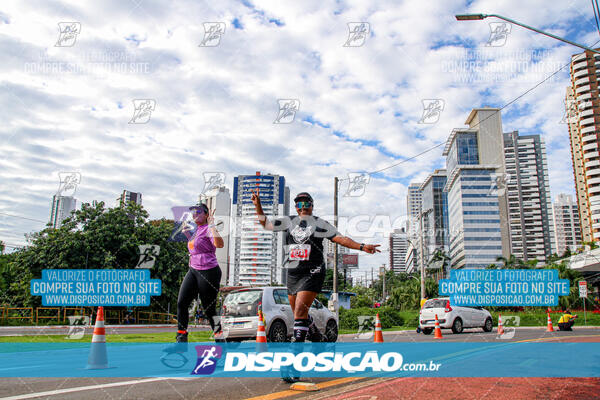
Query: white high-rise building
{"type": "Point", "coordinates": [582, 106]}
{"type": "Point", "coordinates": [219, 200]}
{"type": "Point", "coordinates": [398, 244]}
{"type": "Point", "coordinates": [477, 210]}
{"type": "Point", "coordinates": [566, 224]}
{"type": "Point", "coordinates": [62, 206]}
{"type": "Point", "coordinates": [414, 200]}
{"type": "Point", "coordinates": [256, 255]}
{"type": "Point", "coordinates": [529, 202]}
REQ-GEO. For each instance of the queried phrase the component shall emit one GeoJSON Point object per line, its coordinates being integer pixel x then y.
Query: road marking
{"type": "Point", "coordinates": [80, 388]}
{"type": "Point", "coordinates": [288, 393]}
{"type": "Point", "coordinates": [555, 337]}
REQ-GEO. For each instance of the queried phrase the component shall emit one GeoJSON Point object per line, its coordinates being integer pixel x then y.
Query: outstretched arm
{"type": "Point", "coordinates": [351, 244]}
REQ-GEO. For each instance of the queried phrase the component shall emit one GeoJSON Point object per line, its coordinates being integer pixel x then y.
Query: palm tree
{"type": "Point", "coordinates": [511, 262]}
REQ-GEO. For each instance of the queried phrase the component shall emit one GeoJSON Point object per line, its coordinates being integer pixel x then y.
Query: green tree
{"type": "Point", "coordinates": [99, 238]}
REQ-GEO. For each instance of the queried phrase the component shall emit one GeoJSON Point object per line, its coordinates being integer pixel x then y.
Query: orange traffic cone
{"type": "Point", "coordinates": [261, 336]}
{"type": "Point", "coordinates": [500, 327]}
{"type": "Point", "coordinates": [378, 332]}
{"type": "Point", "coordinates": [98, 359]}
{"type": "Point", "coordinates": [550, 328]}
{"type": "Point", "coordinates": [438, 331]}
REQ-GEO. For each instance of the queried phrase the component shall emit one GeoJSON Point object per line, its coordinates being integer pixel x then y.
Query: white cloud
{"type": "Point", "coordinates": [68, 108]}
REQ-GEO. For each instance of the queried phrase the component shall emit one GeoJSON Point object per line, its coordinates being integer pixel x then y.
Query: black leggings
{"type": "Point", "coordinates": [198, 282]}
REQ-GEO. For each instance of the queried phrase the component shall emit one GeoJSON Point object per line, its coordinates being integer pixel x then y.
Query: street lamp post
{"type": "Point", "coordinates": [474, 17]}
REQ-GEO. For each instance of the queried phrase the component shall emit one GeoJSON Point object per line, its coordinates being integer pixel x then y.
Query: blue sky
{"type": "Point", "coordinates": [68, 108]}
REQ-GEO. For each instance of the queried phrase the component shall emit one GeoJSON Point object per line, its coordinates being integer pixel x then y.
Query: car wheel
{"type": "Point", "coordinates": [331, 331]}
{"type": "Point", "coordinates": [488, 325]}
{"type": "Point", "coordinates": [427, 331]}
{"type": "Point", "coordinates": [278, 332]}
{"type": "Point", "coordinates": [457, 326]}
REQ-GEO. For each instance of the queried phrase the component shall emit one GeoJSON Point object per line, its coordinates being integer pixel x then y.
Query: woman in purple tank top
{"type": "Point", "coordinates": [203, 277]}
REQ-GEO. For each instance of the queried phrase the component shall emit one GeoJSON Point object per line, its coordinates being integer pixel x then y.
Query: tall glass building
{"type": "Point", "coordinates": [434, 214]}
{"type": "Point", "coordinates": [477, 209]}
{"type": "Point", "coordinates": [255, 253]}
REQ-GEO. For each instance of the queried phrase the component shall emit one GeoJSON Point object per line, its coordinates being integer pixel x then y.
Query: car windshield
{"type": "Point", "coordinates": [435, 303]}
{"type": "Point", "coordinates": [242, 304]}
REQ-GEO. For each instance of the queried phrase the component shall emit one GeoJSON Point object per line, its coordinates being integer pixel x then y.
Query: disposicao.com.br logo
{"type": "Point", "coordinates": [313, 359]}
{"type": "Point", "coordinates": [351, 362]}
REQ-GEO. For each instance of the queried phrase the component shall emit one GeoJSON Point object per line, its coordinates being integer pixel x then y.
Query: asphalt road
{"type": "Point", "coordinates": [332, 388]}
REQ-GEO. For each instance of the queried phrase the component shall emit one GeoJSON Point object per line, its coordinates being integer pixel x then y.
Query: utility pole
{"type": "Point", "coordinates": [335, 223]}
{"type": "Point", "coordinates": [422, 258]}
{"type": "Point", "coordinates": [383, 291]}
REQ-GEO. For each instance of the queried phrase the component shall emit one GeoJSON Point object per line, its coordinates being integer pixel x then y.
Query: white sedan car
{"type": "Point", "coordinates": [453, 317]}
{"type": "Point", "coordinates": [239, 316]}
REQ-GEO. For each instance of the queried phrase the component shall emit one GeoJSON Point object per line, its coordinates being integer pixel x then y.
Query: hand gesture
{"type": "Point", "coordinates": [210, 218]}
{"type": "Point", "coordinates": [371, 248]}
{"type": "Point", "coordinates": [255, 199]}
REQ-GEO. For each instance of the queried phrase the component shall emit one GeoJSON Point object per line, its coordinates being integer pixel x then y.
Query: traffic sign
{"type": "Point", "coordinates": [582, 289]}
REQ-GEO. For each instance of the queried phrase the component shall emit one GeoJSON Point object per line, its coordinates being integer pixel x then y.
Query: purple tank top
{"type": "Point", "coordinates": [202, 249]}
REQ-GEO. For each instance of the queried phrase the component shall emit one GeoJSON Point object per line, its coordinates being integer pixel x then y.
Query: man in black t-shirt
{"type": "Point", "coordinates": [305, 263]}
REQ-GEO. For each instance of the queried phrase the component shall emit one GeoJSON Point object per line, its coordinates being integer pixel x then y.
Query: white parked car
{"type": "Point", "coordinates": [239, 315]}
{"type": "Point", "coordinates": [453, 317]}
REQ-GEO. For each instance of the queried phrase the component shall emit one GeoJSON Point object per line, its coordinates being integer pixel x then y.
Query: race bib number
{"type": "Point", "coordinates": [299, 252]}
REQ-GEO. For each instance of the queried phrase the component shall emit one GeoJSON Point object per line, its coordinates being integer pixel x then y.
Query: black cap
{"type": "Point", "coordinates": [303, 195]}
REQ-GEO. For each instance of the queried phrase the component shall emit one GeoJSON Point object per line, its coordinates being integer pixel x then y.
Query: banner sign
{"type": "Point", "coordinates": [349, 261]}
{"type": "Point", "coordinates": [95, 287]}
{"type": "Point", "coordinates": [504, 287]}
{"type": "Point", "coordinates": [209, 359]}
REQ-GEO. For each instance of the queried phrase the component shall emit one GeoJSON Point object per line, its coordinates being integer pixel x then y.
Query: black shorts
{"type": "Point", "coordinates": [305, 279]}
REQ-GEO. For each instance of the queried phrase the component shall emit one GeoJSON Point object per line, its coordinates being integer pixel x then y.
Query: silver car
{"type": "Point", "coordinates": [239, 315]}
{"type": "Point", "coordinates": [453, 317]}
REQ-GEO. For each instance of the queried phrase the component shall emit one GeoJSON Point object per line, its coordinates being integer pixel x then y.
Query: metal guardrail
{"type": "Point", "coordinates": [38, 316]}
{"type": "Point", "coordinates": [8, 316]}
{"type": "Point", "coordinates": [61, 314]}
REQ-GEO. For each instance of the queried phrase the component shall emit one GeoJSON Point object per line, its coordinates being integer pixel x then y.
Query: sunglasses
{"type": "Point", "coordinates": [198, 211]}
{"type": "Point", "coordinates": [304, 204]}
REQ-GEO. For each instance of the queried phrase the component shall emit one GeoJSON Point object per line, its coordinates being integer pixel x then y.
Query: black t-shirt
{"type": "Point", "coordinates": [301, 234]}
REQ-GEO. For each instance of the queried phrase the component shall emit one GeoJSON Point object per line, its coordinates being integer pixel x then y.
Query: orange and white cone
{"type": "Point", "coordinates": [550, 328]}
{"type": "Point", "coordinates": [98, 358]}
{"type": "Point", "coordinates": [438, 331]}
{"type": "Point", "coordinates": [378, 333]}
{"type": "Point", "coordinates": [261, 335]}
{"type": "Point", "coordinates": [500, 327]}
